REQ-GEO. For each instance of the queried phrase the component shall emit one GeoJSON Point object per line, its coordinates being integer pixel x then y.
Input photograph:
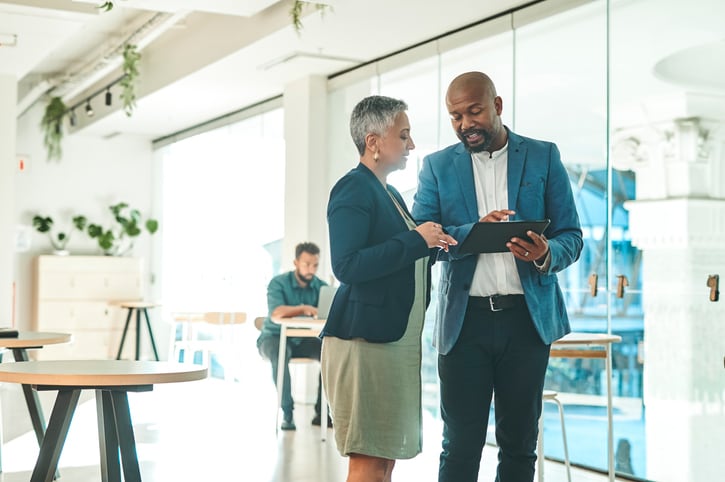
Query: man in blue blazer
{"type": "Point", "coordinates": [498, 313]}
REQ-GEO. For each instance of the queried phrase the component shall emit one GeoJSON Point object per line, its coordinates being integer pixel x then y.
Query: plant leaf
{"type": "Point", "coordinates": [152, 225]}
{"type": "Point", "coordinates": [52, 126]}
{"type": "Point", "coordinates": [131, 57]}
{"type": "Point", "coordinates": [80, 222]}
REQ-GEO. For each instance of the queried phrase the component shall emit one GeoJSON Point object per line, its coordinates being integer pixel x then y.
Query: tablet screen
{"type": "Point", "coordinates": [492, 237]}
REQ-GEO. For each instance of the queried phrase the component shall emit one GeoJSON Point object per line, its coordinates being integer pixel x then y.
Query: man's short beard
{"type": "Point", "coordinates": [474, 149]}
{"type": "Point", "coordinates": [483, 146]}
{"type": "Point", "coordinates": [304, 279]}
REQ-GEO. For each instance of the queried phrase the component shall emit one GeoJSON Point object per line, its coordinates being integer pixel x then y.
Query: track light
{"type": "Point", "coordinates": [89, 109]}
{"type": "Point", "coordinates": [72, 117]}
{"type": "Point", "coordinates": [109, 97]}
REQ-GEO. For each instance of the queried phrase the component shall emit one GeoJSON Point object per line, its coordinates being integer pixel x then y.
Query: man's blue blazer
{"type": "Point", "coordinates": [538, 188]}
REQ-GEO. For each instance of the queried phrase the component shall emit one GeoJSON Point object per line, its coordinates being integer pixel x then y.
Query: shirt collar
{"type": "Point", "coordinates": [485, 156]}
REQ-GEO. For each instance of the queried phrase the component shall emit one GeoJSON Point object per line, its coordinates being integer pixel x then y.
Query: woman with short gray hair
{"type": "Point", "coordinates": [371, 347]}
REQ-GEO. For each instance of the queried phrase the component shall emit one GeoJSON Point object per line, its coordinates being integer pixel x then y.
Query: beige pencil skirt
{"type": "Point", "coordinates": [374, 389]}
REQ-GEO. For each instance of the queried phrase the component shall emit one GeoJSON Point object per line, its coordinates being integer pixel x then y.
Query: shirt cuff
{"type": "Point", "coordinates": [544, 267]}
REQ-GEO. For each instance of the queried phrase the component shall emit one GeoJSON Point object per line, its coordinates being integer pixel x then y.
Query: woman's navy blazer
{"type": "Point", "coordinates": [373, 254]}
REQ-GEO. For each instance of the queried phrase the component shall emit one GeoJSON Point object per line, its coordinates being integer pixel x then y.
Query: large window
{"type": "Point", "coordinates": [223, 215]}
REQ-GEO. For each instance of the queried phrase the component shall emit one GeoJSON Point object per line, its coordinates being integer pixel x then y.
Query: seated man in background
{"type": "Point", "coordinates": [295, 293]}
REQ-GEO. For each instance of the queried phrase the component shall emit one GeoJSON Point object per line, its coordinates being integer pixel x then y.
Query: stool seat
{"type": "Point", "coordinates": [136, 304]}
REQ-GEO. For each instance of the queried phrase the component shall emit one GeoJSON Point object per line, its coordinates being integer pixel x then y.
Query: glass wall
{"type": "Point", "coordinates": [576, 75]}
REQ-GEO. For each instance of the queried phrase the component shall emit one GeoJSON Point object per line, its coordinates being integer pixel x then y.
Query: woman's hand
{"type": "Point", "coordinates": [434, 236]}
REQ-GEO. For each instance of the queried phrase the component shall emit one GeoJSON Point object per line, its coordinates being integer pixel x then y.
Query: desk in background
{"type": "Point", "coordinates": [305, 327]}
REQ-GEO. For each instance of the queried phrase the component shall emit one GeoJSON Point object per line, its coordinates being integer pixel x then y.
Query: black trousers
{"type": "Point", "coordinates": [296, 347]}
{"type": "Point", "coordinates": [500, 354]}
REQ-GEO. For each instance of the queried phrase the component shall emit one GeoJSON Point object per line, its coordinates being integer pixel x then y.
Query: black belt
{"type": "Point", "coordinates": [496, 302]}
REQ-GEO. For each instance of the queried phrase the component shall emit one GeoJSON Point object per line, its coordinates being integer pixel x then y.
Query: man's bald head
{"type": "Point", "coordinates": [472, 81]}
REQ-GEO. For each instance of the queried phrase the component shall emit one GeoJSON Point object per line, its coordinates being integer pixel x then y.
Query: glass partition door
{"type": "Point", "coordinates": [615, 84]}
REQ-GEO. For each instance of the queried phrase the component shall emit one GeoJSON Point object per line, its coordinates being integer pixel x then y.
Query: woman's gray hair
{"type": "Point", "coordinates": [373, 115]}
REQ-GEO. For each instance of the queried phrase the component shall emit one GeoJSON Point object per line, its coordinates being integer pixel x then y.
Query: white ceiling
{"type": "Point", "coordinates": [209, 57]}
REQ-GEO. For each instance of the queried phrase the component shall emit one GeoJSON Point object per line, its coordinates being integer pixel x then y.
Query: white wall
{"type": "Point", "coordinates": [8, 98]}
{"type": "Point", "coordinates": [93, 174]}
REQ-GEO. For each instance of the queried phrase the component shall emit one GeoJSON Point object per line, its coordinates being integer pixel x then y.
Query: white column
{"type": "Point", "coordinates": [8, 100]}
{"type": "Point", "coordinates": [678, 221]}
{"type": "Point", "coordinates": [305, 187]}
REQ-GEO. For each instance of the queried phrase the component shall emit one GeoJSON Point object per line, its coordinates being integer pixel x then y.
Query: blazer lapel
{"type": "Point", "coordinates": [384, 200]}
{"type": "Point", "coordinates": [516, 160]}
{"type": "Point", "coordinates": [464, 171]}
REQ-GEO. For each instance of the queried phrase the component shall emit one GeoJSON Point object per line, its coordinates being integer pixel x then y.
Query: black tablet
{"type": "Point", "coordinates": [492, 237]}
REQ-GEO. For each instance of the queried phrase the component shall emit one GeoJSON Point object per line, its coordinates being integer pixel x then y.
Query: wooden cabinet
{"type": "Point", "coordinates": [72, 294]}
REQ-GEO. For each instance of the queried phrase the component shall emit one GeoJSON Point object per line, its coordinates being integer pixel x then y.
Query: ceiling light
{"type": "Point", "coordinates": [89, 109]}
{"type": "Point", "coordinates": [8, 40]}
{"type": "Point", "coordinates": [109, 97]}
{"type": "Point", "coordinates": [72, 117]}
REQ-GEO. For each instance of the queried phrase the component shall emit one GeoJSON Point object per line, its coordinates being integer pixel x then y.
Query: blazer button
{"type": "Point", "coordinates": [466, 287]}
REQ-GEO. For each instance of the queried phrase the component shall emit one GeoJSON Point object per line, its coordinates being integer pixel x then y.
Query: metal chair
{"type": "Point", "coordinates": [551, 396]}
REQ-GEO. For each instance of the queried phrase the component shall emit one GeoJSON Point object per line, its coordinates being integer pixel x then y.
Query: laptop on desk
{"type": "Point", "coordinates": [327, 293]}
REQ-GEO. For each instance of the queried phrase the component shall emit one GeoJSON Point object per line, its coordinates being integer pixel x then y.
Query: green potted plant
{"type": "Point", "coordinates": [59, 240]}
{"type": "Point", "coordinates": [118, 239]}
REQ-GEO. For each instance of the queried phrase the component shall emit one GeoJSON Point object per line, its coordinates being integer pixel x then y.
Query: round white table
{"type": "Point", "coordinates": [111, 380]}
{"type": "Point", "coordinates": [31, 340]}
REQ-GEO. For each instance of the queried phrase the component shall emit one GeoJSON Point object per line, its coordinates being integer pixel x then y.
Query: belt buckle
{"type": "Point", "coordinates": [492, 305]}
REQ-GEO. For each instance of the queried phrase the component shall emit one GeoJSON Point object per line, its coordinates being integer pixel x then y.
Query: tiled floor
{"type": "Point", "coordinates": [214, 431]}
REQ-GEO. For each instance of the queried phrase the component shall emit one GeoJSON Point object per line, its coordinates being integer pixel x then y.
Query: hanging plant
{"type": "Point", "coordinates": [131, 57]}
{"type": "Point", "coordinates": [52, 125]}
{"type": "Point", "coordinates": [296, 12]}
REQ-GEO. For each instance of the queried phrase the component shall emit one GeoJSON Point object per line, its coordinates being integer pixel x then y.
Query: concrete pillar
{"type": "Point", "coordinates": [8, 100]}
{"type": "Point", "coordinates": [678, 221]}
{"type": "Point", "coordinates": [305, 184]}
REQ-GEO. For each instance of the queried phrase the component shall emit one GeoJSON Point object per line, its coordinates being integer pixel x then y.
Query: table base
{"type": "Point", "coordinates": [31, 400]}
{"type": "Point", "coordinates": [115, 432]}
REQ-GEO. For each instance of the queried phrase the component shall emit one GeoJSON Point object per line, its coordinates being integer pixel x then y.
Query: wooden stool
{"type": "Point", "coordinates": [139, 307]}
